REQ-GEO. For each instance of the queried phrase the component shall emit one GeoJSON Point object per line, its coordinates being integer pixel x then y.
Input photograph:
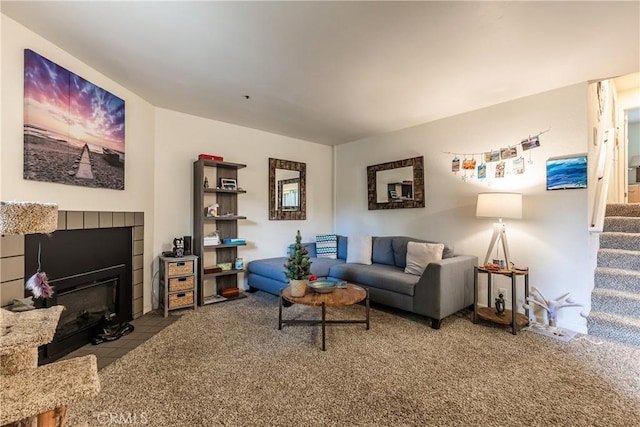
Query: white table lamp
{"type": "Point", "coordinates": [499, 205]}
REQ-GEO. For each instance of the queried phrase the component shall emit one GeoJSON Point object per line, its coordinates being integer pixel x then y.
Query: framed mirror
{"type": "Point", "coordinates": [396, 185]}
{"type": "Point", "coordinates": [287, 190]}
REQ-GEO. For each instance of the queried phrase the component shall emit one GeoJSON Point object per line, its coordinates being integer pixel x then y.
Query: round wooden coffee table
{"type": "Point", "coordinates": [350, 295]}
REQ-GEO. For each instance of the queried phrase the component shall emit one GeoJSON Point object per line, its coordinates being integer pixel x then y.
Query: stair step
{"type": "Point", "coordinates": [616, 302]}
{"type": "Point", "coordinates": [620, 240]}
{"type": "Point", "coordinates": [622, 209]}
{"type": "Point", "coordinates": [619, 258]}
{"type": "Point", "coordinates": [622, 224]}
{"type": "Point", "coordinates": [614, 328]}
{"type": "Point", "coordinates": [617, 279]}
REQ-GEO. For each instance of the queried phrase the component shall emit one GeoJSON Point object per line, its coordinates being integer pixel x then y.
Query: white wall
{"type": "Point", "coordinates": [552, 238]}
{"type": "Point", "coordinates": [179, 140]}
{"type": "Point", "coordinates": [139, 141]}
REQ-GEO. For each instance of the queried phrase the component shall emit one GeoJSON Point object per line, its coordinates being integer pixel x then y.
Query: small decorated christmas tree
{"type": "Point", "coordinates": [298, 266]}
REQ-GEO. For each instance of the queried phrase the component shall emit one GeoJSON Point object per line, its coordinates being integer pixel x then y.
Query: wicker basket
{"type": "Point", "coordinates": [180, 283]}
{"type": "Point", "coordinates": [180, 267]}
{"type": "Point", "coordinates": [181, 299]}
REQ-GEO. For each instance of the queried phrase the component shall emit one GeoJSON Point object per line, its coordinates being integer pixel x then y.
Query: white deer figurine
{"type": "Point", "coordinates": [551, 306]}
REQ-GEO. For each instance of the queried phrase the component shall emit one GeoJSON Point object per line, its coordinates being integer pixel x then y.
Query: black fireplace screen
{"type": "Point", "coordinates": [85, 305]}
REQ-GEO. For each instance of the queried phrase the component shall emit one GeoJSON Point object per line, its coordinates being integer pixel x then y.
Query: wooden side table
{"type": "Point", "coordinates": [509, 317]}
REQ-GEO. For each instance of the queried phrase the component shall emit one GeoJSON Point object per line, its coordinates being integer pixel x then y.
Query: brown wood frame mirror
{"type": "Point", "coordinates": [396, 185]}
{"type": "Point", "coordinates": [287, 173]}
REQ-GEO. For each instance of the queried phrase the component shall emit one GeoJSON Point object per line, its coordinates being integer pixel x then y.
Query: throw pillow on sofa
{"type": "Point", "coordinates": [419, 255]}
{"type": "Point", "coordinates": [327, 246]}
{"type": "Point", "coordinates": [359, 250]}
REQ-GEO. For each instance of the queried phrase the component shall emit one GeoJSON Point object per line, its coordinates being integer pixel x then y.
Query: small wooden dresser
{"type": "Point", "coordinates": [178, 282]}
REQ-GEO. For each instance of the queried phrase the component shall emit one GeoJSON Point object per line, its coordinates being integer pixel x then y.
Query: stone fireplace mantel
{"type": "Point", "coordinates": [12, 274]}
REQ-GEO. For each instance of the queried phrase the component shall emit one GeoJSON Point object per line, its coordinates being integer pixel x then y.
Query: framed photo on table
{"type": "Point", "coordinates": [228, 184]}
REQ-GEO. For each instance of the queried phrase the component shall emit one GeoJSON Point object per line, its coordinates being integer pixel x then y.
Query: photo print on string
{"type": "Point", "coordinates": [529, 144]}
{"type": "Point", "coordinates": [455, 165]}
{"type": "Point", "coordinates": [492, 156]}
{"type": "Point", "coordinates": [471, 165]}
{"type": "Point", "coordinates": [518, 166]}
{"type": "Point", "coordinates": [500, 170]}
{"type": "Point", "coordinates": [482, 171]}
{"type": "Point", "coordinates": [508, 153]}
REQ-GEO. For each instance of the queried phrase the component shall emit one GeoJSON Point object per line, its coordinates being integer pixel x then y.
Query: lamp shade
{"type": "Point", "coordinates": [499, 205]}
{"type": "Point", "coordinates": [28, 217]}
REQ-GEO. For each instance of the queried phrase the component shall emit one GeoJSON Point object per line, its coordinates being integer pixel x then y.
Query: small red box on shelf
{"type": "Point", "coordinates": [230, 292]}
{"type": "Point", "coordinates": [210, 157]}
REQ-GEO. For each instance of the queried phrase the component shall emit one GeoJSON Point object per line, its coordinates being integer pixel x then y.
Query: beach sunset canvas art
{"type": "Point", "coordinates": [74, 131]}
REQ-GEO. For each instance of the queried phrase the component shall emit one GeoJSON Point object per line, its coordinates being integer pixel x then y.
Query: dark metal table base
{"type": "Point", "coordinates": [323, 321]}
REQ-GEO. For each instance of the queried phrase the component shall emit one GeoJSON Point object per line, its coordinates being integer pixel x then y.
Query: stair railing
{"type": "Point", "coordinates": [604, 162]}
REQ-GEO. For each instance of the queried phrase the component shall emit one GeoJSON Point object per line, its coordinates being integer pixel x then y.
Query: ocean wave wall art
{"type": "Point", "coordinates": [567, 173]}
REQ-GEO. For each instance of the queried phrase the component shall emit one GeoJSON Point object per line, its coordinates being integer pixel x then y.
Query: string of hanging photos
{"type": "Point", "coordinates": [509, 160]}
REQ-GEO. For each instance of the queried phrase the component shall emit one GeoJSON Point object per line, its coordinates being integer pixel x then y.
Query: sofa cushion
{"type": "Point", "coordinates": [399, 245]}
{"type": "Point", "coordinates": [378, 276]}
{"type": "Point", "coordinates": [327, 246]}
{"type": "Point", "coordinates": [320, 266]}
{"type": "Point", "coordinates": [269, 267]}
{"type": "Point", "coordinates": [359, 249]}
{"type": "Point", "coordinates": [419, 255]}
{"type": "Point", "coordinates": [382, 251]}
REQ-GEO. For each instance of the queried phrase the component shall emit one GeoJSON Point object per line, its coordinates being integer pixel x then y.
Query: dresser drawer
{"type": "Point", "coordinates": [180, 267]}
{"type": "Point", "coordinates": [181, 283]}
{"type": "Point", "coordinates": [180, 300]}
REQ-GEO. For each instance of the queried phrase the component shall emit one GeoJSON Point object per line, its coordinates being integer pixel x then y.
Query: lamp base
{"type": "Point", "coordinates": [499, 234]}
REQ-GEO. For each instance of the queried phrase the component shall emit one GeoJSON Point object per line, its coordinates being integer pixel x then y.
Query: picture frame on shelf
{"type": "Point", "coordinates": [228, 184]}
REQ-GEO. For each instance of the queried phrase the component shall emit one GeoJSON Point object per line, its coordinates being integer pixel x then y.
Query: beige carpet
{"type": "Point", "coordinates": [227, 364]}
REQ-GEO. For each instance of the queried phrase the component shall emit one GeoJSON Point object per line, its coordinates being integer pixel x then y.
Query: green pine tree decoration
{"type": "Point", "coordinates": [298, 266]}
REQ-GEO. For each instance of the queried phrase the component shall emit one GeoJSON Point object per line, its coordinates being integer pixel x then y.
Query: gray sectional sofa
{"type": "Point", "coordinates": [444, 288]}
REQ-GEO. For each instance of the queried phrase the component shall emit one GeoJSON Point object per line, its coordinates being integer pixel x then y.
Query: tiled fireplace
{"type": "Point", "coordinates": [94, 273]}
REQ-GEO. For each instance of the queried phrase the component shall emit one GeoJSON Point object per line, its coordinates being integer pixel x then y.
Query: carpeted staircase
{"type": "Point", "coordinates": [615, 300]}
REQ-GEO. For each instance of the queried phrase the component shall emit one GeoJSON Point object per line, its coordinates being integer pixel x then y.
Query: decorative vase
{"type": "Point", "coordinates": [298, 287]}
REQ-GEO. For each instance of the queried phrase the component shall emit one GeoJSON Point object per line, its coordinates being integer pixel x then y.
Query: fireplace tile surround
{"type": "Point", "coordinates": [12, 251]}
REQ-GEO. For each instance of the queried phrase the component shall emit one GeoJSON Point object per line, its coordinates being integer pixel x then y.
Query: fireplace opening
{"type": "Point", "coordinates": [90, 272]}
{"type": "Point", "coordinates": [81, 312]}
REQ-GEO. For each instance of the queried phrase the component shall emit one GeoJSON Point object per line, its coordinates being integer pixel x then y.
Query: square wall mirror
{"type": "Point", "coordinates": [396, 185]}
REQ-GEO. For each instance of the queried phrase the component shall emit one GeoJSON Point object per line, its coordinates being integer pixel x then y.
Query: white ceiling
{"type": "Point", "coordinates": [334, 72]}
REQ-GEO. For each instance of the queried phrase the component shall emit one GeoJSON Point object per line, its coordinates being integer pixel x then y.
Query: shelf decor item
{"type": "Point", "coordinates": [323, 286]}
{"type": "Point", "coordinates": [298, 268]}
